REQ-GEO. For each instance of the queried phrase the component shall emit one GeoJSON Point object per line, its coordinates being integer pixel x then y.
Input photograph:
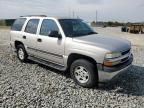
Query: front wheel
{"type": "Point", "coordinates": [21, 53]}
{"type": "Point", "coordinates": [84, 73]}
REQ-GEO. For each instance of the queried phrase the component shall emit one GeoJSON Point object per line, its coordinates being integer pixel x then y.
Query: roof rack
{"type": "Point", "coordinates": [34, 16]}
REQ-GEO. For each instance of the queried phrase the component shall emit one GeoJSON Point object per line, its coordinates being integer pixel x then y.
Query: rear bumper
{"type": "Point", "coordinates": [108, 73]}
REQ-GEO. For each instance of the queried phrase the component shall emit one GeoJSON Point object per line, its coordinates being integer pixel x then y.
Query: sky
{"type": "Point", "coordinates": [107, 10]}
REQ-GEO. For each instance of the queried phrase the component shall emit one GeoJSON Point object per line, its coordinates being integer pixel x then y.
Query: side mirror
{"type": "Point", "coordinates": [55, 34]}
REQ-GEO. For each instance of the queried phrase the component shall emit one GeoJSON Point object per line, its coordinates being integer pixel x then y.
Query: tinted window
{"type": "Point", "coordinates": [75, 27]}
{"type": "Point", "coordinates": [32, 26]}
{"type": "Point", "coordinates": [18, 24]}
{"type": "Point", "coordinates": [47, 26]}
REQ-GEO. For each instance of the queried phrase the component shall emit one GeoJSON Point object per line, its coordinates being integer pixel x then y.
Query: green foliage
{"type": "Point", "coordinates": [107, 24]}
{"type": "Point", "coordinates": [114, 24]}
{"type": "Point", "coordinates": [7, 22]}
{"type": "Point", "coordinates": [2, 23]}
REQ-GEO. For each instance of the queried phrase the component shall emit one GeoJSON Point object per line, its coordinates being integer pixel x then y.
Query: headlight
{"type": "Point", "coordinates": [112, 55]}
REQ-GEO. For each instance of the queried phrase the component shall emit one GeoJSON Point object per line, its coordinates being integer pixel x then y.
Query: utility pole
{"type": "Point", "coordinates": [96, 16]}
{"type": "Point", "coordinates": [69, 12]}
{"type": "Point", "coordinates": [77, 17]}
{"type": "Point", "coordinates": [73, 14]}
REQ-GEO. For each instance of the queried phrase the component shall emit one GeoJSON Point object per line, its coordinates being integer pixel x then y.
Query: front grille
{"type": "Point", "coordinates": [124, 59]}
{"type": "Point", "coordinates": [125, 52]}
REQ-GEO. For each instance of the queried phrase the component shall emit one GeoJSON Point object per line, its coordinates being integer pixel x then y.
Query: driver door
{"type": "Point", "coordinates": [50, 48]}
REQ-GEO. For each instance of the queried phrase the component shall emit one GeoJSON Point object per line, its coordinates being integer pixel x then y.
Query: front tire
{"type": "Point", "coordinates": [21, 53]}
{"type": "Point", "coordinates": [84, 73]}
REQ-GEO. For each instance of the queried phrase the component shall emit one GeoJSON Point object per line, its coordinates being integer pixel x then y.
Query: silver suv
{"type": "Point", "coordinates": [70, 45]}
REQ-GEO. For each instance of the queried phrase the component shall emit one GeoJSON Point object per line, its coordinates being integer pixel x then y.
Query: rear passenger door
{"type": "Point", "coordinates": [50, 48]}
{"type": "Point", "coordinates": [30, 36]}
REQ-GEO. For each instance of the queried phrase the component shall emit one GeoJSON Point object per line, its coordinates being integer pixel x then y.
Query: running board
{"type": "Point", "coordinates": [47, 63]}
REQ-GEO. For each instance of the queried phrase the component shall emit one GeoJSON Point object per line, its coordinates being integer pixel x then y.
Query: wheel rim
{"type": "Point", "coordinates": [81, 74]}
{"type": "Point", "coordinates": [21, 53]}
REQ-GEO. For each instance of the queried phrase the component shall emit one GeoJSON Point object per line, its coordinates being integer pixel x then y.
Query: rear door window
{"type": "Point", "coordinates": [32, 26]}
{"type": "Point", "coordinates": [18, 24]}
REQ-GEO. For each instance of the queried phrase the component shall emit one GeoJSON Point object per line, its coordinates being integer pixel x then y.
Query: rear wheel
{"type": "Point", "coordinates": [21, 53]}
{"type": "Point", "coordinates": [84, 73]}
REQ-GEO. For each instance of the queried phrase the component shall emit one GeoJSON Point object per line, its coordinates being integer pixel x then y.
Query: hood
{"type": "Point", "coordinates": [106, 42]}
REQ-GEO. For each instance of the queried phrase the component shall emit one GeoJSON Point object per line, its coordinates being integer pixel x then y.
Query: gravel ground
{"type": "Point", "coordinates": [29, 85]}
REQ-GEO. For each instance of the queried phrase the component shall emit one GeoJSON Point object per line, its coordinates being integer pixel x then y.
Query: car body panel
{"type": "Point", "coordinates": [106, 42]}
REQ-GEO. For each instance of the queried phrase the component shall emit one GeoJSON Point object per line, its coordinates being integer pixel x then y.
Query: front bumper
{"type": "Point", "coordinates": [107, 73]}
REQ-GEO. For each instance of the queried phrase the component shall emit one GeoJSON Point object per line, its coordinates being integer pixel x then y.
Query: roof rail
{"type": "Point", "coordinates": [34, 16]}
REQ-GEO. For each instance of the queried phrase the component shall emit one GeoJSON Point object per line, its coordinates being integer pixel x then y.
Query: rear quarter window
{"type": "Point", "coordinates": [18, 24]}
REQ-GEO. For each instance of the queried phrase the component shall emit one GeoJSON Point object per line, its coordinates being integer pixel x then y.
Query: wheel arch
{"type": "Point", "coordinates": [74, 56]}
{"type": "Point", "coordinates": [18, 43]}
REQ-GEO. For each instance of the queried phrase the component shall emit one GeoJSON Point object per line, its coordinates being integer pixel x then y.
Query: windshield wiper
{"type": "Point", "coordinates": [82, 34]}
{"type": "Point", "coordinates": [89, 33]}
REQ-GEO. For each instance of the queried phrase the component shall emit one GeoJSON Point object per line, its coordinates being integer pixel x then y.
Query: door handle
{"type": "Point", "coordinates": [39, 40]}
{"type": "Point", "coordinates": [24, 37]}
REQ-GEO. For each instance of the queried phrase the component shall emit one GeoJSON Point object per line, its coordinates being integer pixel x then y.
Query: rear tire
{"type": "Point", "coordinates": [84, 73]}
{"type": "Point", "coordinates": [21, 53]}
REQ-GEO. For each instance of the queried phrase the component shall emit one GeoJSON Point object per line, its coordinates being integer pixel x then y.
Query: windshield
{"type": "Point", "coordinates": [75, 27]}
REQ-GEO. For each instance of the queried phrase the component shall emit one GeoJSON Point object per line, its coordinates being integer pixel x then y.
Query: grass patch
{"type": "Point", "coordinates": [5, 27]}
